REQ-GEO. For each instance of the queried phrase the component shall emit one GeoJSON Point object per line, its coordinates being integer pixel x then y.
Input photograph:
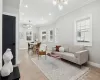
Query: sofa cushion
{"type": "Point", "coordinates": [75, 48]}
{"type": "Point", "coordinates": [66, 49]}
{"type": "Point", "coordinates": [57, 47]}
{"type": "Point", "coordinates": [68, 54]}
{"type": "Point", "coordinates": [61, 49]}
{"type": "Point", "coordinates": [58, 53]}
{"type": "Point", "coordinates": [70, 57]}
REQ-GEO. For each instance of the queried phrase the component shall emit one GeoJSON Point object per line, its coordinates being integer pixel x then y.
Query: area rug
{"type": "Point", "coordinates": [55, 69]}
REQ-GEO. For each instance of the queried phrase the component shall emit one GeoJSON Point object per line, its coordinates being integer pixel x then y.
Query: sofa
{"type": "Point", "coordinates": [74, 53]}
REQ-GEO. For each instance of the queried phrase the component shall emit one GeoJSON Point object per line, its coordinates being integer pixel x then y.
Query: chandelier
{"type": "Point", "coordinates": [27, 26]}
{"type": "Point", "coordinates": [60, 3]}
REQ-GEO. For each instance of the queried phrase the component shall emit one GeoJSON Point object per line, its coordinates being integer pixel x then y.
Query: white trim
{"type": "Point", "coordinates": [83, 43]}
{"type": "Point", "coordinates": [94, 64]}
{"type": "Point", "coordinates": [1, 7]}
{"type": "Point", "coordinates": [42, 35]}
{"type": "Point", "coordinates": [88, 2]}
{"type": "Point", "coordinates": [55, 20]}
{"type": "Point", "coordinates": [7, 13]}
{"type": "Point", "coordinates": [23, 48]}
{"type": "Point", "coordinates": [49, 35]}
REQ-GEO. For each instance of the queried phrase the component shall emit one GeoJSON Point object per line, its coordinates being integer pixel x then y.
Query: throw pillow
{"type": "Point", "coordinates": [61, 49]}
{"type": "Point", "coordinates": [66, 50]}
{"type": "Point", "coordinates": [57, 48]}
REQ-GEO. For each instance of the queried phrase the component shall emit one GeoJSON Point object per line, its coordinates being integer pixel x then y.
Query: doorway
{"type": "Point", "coordinates": [8, 35]}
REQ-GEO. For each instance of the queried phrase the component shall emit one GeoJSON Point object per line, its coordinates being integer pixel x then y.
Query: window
{"type": "Point", "coordinates": [29, 36]}
{"type": "Point", "coordinates": [43, 36]}
{"type": "Point", "coordinates": [51, 35]}
{"type": "Point", "coordinates": [83, 31]}
{"type": "Point", "coordinates": [56, 35]}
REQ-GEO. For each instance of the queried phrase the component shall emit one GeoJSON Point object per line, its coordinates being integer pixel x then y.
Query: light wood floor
{"type": "Point", "coordinates": [29, 71]}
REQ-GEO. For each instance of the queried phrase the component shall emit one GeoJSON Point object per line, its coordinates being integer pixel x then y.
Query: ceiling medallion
{"type": "Point", "coordinates": [60, 3]}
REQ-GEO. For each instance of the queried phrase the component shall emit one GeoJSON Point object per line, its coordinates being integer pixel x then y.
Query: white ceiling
{"type": "Point", "coordinates": [38, 9]}
{"type": "Point", "coordinates": [11, 3]}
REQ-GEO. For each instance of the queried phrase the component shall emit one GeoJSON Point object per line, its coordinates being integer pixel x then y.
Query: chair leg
{"type": "Point", "coordinates": [38, 57]}
{"type": "Point", "coordinates": [45, 56]}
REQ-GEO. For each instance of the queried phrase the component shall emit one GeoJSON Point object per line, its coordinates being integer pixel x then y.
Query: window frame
{"type": "Point", "coordinates": [89, 43]}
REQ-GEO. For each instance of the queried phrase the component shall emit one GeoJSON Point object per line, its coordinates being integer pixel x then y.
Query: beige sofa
{"type": "Point", "coordinates": [76, 54]}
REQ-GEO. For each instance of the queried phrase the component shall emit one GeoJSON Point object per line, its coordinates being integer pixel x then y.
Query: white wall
{"type": "Point", "coordinates": [0, 34]}
{"type": "Point", "coordinates": [65, 25]}
{"type": "Point", "coordinates": [47, 28]}
{"type": "Point", "coordinates": [10, 9]}
{"type": "Point", "coordinates": [23, 44]}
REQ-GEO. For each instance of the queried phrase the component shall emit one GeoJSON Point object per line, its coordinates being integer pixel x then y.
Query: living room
{"type": "Point", "coordinates": [58, 40]}
{"type": "Point", "coordinates": [63, 29]}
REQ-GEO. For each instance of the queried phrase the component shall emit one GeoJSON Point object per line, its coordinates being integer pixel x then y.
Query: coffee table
{"type": "Point", "coordinates": [54, 55]}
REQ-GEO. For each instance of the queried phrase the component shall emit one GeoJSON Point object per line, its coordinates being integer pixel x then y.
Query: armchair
{"type": "Point", "coordinates": [36, 47]}
{"type": "Point", "coordinates": [42, 50]}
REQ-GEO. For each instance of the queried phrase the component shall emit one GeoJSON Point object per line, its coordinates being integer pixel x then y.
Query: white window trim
{"type": "Point", "coordinates": [56, 34]}
{"type": "Point", "coordinates": [42, 35]}
{"type": "Point", "coordinates": [49, 35]}
{"type": "Point", "coordinates": [83, 43]}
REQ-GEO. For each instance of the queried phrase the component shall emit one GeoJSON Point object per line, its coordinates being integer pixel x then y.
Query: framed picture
{"type": "Point", "coordinates": [29, 36]}
{"type": "Point", "coordinates": [51, 35]}
{"type": "Point", "coordinates": [21, 35]}
{"type": "Point", "coordinates": [43, 35]}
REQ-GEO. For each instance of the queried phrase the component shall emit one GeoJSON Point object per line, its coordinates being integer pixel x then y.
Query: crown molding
{"type": "Point", "coordinates": [86, 3]}
{"type": "Point", "coordinates": [59, 17]}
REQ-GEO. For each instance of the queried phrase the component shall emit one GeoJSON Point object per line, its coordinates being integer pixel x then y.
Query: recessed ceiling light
{"type": "Point", "coordinates": [50, 14]}
{"type": "Point", "coordinates": [26, 6]}
{"type": "Point", "coordinates": [60, 7]}
{"type": "Point", "coordinates": [66, 2]}
{"type": "Point", "coordinates": [54, 2]}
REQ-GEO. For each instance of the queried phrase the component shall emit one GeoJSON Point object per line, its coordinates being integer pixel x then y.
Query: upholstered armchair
{"type": "Point", "coordinates": [42, 50]}
{"type": "Point", "coordinates": [36, 47]}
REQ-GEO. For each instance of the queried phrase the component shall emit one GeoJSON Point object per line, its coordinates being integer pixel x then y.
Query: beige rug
{"type": "Point", "coordinates": [55, 69]}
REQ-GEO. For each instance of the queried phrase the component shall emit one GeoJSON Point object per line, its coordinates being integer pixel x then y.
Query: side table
{"type": "Point", "coordinates": [15, 75]}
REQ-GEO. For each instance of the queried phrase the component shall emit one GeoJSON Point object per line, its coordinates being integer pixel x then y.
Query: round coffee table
{"type": "Point", "coordinates": [54, 55]}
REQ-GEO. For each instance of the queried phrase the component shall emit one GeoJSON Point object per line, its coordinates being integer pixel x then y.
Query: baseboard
{"type": "Point", "coordinates": [23, 48]}
{"type": "Point", "coordinates": [94, 64]}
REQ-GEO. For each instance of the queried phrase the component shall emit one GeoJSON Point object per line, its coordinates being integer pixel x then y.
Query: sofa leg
{"type": "Point", "coordinates": [86, 64]}
{"type": "Point", "coordinates": [80, 66]}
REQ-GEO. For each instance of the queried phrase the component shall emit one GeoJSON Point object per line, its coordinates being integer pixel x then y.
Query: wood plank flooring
{"type": "Point", "coordinates": [29, 71]}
